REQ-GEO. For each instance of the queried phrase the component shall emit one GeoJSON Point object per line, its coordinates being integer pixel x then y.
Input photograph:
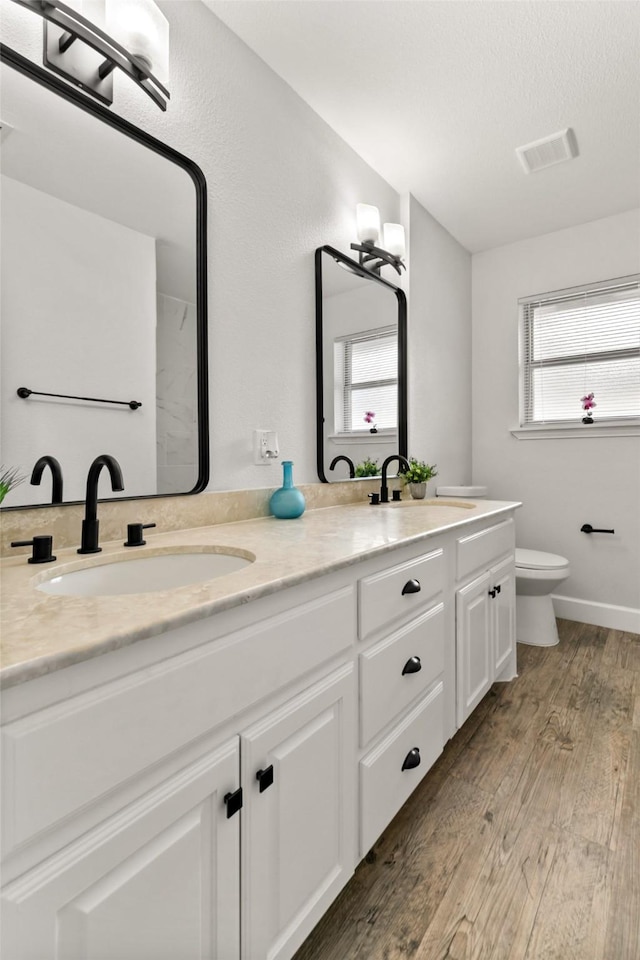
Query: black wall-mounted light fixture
{"type": "Point", "coordinates": [372, 255]}
{"type": "Point", "coordinates": [82, 52]}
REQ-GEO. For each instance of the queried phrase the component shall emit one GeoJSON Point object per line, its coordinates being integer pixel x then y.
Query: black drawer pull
{"type": "Point", "coordinates": [265, 778]}
{"type": "Point", "coordinates": [498, 588]}
{"type": "Point", "coordinates": [492, 593]}
{"type": "Point", "coordinates": [233, 802]}
{"type": "Point", "coordinates": [412, 759]}
{"type": "Point", "coordinates": [412, 665]}
{"type": "Point", "coordinates": [411, 586]}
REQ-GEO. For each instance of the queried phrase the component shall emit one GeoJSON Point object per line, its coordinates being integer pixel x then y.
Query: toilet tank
{"type": "Point", "coordinates": [475, 492]}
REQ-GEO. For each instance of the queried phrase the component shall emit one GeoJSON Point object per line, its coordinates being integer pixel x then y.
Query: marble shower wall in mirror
{"type": "Point", "coordinates": [103, 296]}
{"type": "Point", "coordinates": [361, 366]}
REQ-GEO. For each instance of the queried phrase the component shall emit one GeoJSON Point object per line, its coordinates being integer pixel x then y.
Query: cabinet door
{"type": "Point", "coordinates": [474, 645]}
{"type": "Point", "coordinates": [298, 831]}
{"type": "Point", "coordinates": [158, 881]}
{"type": "Point", "coordinates": [503, 612]}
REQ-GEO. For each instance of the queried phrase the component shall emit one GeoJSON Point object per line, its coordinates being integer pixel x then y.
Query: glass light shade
{"type": "Point", "coordinates": [393, 239]}
{"type": "Point", "coordinates": [92, 10]}
{"type": "Point", "coordinates": [140, 27]}
{"type": "Point", "coordinates": [368, 220]}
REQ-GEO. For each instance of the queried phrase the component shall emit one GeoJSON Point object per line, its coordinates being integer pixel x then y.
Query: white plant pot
{"type": "Point", "coordinates": [418, 490]}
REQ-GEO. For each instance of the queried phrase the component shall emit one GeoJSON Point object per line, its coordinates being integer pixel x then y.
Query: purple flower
{"type": "Point", "coordinates": [369, 416]}
{"type": "Point", "coordinates": [588, 403]}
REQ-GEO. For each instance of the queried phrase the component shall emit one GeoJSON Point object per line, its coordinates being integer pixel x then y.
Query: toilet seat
{"type": "Point", "coordinates": [539, 560]}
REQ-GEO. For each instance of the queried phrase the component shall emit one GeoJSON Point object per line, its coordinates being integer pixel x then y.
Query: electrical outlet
{"type": "Point", "coordinates": [265, 446]}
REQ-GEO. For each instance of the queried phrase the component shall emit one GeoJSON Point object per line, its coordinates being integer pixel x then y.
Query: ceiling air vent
{"type": "Point", "coordinates": [547, 152]}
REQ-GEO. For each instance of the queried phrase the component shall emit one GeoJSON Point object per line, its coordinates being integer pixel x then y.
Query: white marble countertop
{"type": "Point", "coordinates": [42, 633]}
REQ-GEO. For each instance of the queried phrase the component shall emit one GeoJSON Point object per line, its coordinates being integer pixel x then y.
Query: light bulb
{"type": "Point", "coordinates": [368, 220]}
{"type": "Point", "coordinates": [140, 27]}
{"type": "Point", "coordinates": [393, 242]}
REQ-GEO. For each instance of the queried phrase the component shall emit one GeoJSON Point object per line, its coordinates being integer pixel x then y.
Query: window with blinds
{"type": "Point", "coordinates": [366, 380]}
{"type": "Point", "coordinates": [581, 341]}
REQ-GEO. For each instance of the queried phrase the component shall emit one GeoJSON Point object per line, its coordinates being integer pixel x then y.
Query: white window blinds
{"type": "Point", "coordinates": [367, 380]}
{"type": "Point", "coordinates": [581, 341]}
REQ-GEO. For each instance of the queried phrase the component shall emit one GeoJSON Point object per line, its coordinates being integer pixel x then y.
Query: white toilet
{"type": "Point", "coordinates": [537, 576]}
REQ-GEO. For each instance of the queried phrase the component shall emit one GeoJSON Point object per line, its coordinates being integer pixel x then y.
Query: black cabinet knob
{"type": "Point", "coordinates": [413, 665]}
{"type": "Point", "coordinates": [498, 588]}
{"type": "Point", "coordinates": [411, 586]}
{"type": "Point", "coordinates": [265, 778]}
{"type": "Point", "coordinates": [412, 759]}
{"type": "Point", "coordinates": [492, 593]}
{"type": "Point", "coordinates": [42, 547]}
{"type": "Point", "coordinates": [233, 802]}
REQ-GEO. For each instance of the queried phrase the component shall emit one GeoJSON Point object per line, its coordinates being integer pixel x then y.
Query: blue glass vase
{"type": "Point", "coordinates": [287, 503]}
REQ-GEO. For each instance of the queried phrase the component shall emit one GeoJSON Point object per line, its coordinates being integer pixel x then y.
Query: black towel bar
{"type": "Point", "coordinates": [25, 392]}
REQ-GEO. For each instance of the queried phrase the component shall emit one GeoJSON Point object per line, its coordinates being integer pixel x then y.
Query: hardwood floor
{"type": "Point", "coordinates": [523, 841]}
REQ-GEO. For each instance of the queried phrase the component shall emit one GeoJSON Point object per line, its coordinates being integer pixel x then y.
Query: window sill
{"type": "Point", "coordinates": [349, 439]}
{"type": "Point", "coordinates": [566, 431]}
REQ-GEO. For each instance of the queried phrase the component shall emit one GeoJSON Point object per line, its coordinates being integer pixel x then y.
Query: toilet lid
{"type": "Point", "coordinates": [538, 560]}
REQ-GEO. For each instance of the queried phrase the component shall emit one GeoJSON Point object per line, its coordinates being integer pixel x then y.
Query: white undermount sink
{"type": "Point", "coordinates": [120, 575]}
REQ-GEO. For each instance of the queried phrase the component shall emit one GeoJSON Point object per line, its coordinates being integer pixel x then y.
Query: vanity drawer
{"type": "Point", "coordinates": [481, 549]}
{"type": "Point", "coordinates": [385, 691]}
{"type": "Point", "coordinates": [50, 767]}
{"type": "Point", "coordinates": [381, 598]}
{"type": "Point", "coordinates": [384, 785]}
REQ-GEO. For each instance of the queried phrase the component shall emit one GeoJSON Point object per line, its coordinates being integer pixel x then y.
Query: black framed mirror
{"type": "Point", "coordinates": [104, 295]}
{"type": "Point", "coordinates": [361, 368]}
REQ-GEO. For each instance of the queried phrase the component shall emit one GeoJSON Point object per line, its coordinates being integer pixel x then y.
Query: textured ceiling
{"type": "Point", "coordinates": [437, 95]}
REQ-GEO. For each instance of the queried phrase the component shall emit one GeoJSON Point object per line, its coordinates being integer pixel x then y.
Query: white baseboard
{"type": "Point", "coordinates": [599, 614]}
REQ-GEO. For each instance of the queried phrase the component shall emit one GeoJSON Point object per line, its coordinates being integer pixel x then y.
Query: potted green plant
{"type": "Point", "coordinates": [416, 477]}
{"type": "Point", "coordinates": [368, 468]}
{"type": "Point", "coordinates": [9, 478]}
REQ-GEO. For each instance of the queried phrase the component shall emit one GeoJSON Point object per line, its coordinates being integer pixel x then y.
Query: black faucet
{"type": "Point", "coordinates": [56, 473]}
{"type": "Point", "coordinates": [90, 523]}
{"type": "Point", "coordinates": [352, 469]}
{"type": "Point", "coordinates": [384, 490]}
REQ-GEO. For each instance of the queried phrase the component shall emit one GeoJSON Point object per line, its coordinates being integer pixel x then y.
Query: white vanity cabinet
{"type": "Point", "coordinates": [157, 880]}
{"type": "Point", "coordinates": [402, 682]}
{"type": "Point", "coordinates": [485, 613]}
{"type": "Point", "coordinates": [204, 794]}
{"type": "Point", "coordinates": [140, 813]}
{"type": "Point", "coordinates": [297, 829]}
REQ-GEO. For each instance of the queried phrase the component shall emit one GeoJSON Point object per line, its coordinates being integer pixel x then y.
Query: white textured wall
{"type": "Point", "coordinates": [562, 483]}
{"type": "Point", "coordinates": [281, 183]}
{"type": "Point", "coordinates": [439, 338]}
{"type": "Point", "coordinates": [57, 297]}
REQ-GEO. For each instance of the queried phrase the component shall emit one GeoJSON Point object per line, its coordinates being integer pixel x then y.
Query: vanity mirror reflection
{"type": "Point", "coordinates": [361, 367]}
{"type": "Point", "coordinates": [103, 295]}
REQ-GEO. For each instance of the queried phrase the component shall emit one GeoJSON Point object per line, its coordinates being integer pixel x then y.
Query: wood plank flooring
{"type": "Point", "coordinates": [523, 841]}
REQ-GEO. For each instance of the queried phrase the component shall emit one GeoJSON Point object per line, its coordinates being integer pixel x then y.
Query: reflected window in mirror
{"type": "Point", "coordinates": [103, 295]}
{"type": "Point", "coordinates": [365, 368]}
{"type": "Point", "coordinates": [361, 367]}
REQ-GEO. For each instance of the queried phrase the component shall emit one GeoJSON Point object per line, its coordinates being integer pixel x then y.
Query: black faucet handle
{"type": "Point", "coordinates": [374, 498]}
{"type": "Point", "coordinates": [397, 496]}
{"type": "Point", "coordinates": [134, 534]}
{"type": "Point", "coordinates": [42, 547]}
